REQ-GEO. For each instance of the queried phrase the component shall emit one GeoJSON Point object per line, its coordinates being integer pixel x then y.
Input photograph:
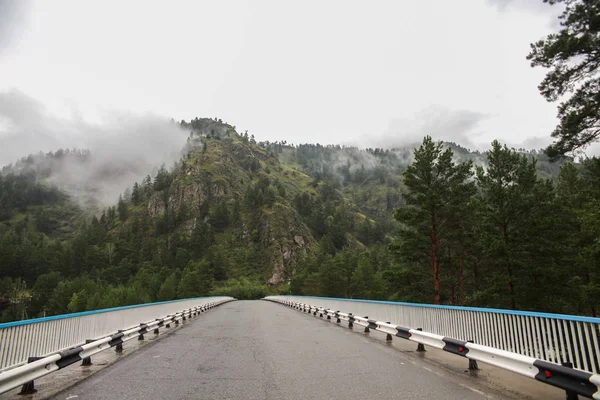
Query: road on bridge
{"type": "Point", "coordinates": [261, 350]}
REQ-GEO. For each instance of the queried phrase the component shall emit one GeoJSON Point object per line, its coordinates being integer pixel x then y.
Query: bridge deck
{"type": "Point", "coordinates": [260, 350]}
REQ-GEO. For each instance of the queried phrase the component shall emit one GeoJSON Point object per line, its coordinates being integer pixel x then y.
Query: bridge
{"type": "Point", "coordinates": [294, 347]}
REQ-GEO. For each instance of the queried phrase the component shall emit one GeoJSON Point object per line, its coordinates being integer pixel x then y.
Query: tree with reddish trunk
{"type": "Point", "coordinates": [436, 188]}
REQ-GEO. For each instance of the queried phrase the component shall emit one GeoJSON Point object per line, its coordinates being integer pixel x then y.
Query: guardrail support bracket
{"type": "Point", "coordinates": [156, 331]}
{"type": "Point", "coordinates": [571, 395]}
{"type": "Point", "coordinates": [472, 363]}
{"type": "Point", "coordinates": [420, 346]}
{"type": "Point", "coordinates": [119, 346]}
{"type": "Point", "coordinates": [86, 362]}
{"type": "Point", "coordinates": [29, 387]}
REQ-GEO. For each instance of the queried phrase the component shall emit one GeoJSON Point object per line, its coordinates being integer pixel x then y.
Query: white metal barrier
{"type": "Point", "coordinates": [532, 344]}
{"type": "Point", "coordinates": [45, 336]}
{"type": "Point", "coordinates": [38, 367]}
{"type": "Point", "coordinates": [553, 338]}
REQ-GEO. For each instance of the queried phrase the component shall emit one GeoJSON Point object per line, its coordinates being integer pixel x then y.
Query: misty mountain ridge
{"type": "Point", "coordinates": [89, 180]}
{"type": "Point", "coordinates": [95, 181]}
{"type": "Point", "coordinates": [230, 216]}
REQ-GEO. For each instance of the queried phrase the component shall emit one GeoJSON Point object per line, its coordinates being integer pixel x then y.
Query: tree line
{"type": "Point", "coordinates": [493, 235]}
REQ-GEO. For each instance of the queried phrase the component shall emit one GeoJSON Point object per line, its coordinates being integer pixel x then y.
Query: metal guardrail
{"type": "Point", "coordinates": [33, 348]}
{"type": "Point", "coordinates": [513, 340]}
{"type": "Point", "coordinates": [553, 338]}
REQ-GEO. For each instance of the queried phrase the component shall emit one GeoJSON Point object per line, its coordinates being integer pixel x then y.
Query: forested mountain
{"type": "Point", "coordinates": [441, 223]}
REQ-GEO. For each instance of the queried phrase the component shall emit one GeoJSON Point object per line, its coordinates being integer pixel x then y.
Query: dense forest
{"type": "Point", "coordinates": [437, 223]}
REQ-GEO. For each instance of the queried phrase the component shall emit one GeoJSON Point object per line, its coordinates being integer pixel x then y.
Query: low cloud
{"type": "Point", "coordinates": [124, 147]}
{"type": "Point", "coordinates": [441, 123]}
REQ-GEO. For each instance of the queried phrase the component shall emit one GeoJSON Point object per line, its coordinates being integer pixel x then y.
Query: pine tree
{"type": "Point", "coordinates": [572, 55]}
{"type": "Point", "coordinates": [162, 180]}
{"type": "Point", "coordinates": [579, 196]}
{"type": "Point", "coordinates": [147, 187]}
{"type": "Point", "coordinates": [122, 208]}
{"type": "Point", "coordinates": [168, 290]}
{"type": "Point", "coordinates": [437, 188]}
{"type": "Point", "coordinates": [331, 277]}
{"type": "Point", "coordinates": [366, 282]}
{"type": "Point", "coordinates": [136, 194]}
{"type": "Point", "coordinates": [510, 203]}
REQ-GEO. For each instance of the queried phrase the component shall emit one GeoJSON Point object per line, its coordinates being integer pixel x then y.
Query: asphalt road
{"type": "Point", "coordinates": [265, 351]}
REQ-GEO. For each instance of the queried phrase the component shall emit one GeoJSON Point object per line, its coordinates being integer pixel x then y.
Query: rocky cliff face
{"type": "Point", "coordinates": [224, 171]}
{"type": "Point", "coordinates": [286, 239]}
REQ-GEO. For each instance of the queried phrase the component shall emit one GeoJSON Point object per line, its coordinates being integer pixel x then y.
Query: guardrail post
{"type": "Point", "coordinates": [420, 346]}
{"type": "Point", "coordinates": [29, 387]}
{"type": "Point", "coordinates": [367, 330]}
{"type": "Point", "coordinates": [472, 363]}
{"type": "Point", "coordinates": [571, 395]}
{"type": "Point", "coordinates": [350, 321]}
{"type": "Point", "coordinates": [119, 347]}
{"type": "Point", "coordinates": [143, 329]}
{"type": "Point", "coordinates": [86, 362]}
{"type": "Point", "coordinates": [328, 316]}
{"type": "Point", "coordinates": [388, 338]}
{"type": "Point", "coordinates": [337, 315]}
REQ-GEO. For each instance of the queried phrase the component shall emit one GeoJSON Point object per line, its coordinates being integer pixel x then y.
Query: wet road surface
{"type": "Point", "coordinates": [265, 351]}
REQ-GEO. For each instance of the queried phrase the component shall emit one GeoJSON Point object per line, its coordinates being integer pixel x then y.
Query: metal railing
{"type": "Point", "coordinates": [45, 336]}
{"type": "Point", "coordinates": [553, 338]}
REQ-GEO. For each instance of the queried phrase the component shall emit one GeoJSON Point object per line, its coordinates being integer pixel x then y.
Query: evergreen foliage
{"type": "Point", "coordinates": [574, 63]}
{"type": "Point", "coordinates": [504, 228]}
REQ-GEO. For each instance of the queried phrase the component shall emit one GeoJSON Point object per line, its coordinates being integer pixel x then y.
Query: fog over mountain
{"type": "Point", "coordinates": [124, 147]}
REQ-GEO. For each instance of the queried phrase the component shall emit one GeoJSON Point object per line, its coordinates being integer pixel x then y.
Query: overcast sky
{"type": "Point", "coordinates": [372, 73]}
